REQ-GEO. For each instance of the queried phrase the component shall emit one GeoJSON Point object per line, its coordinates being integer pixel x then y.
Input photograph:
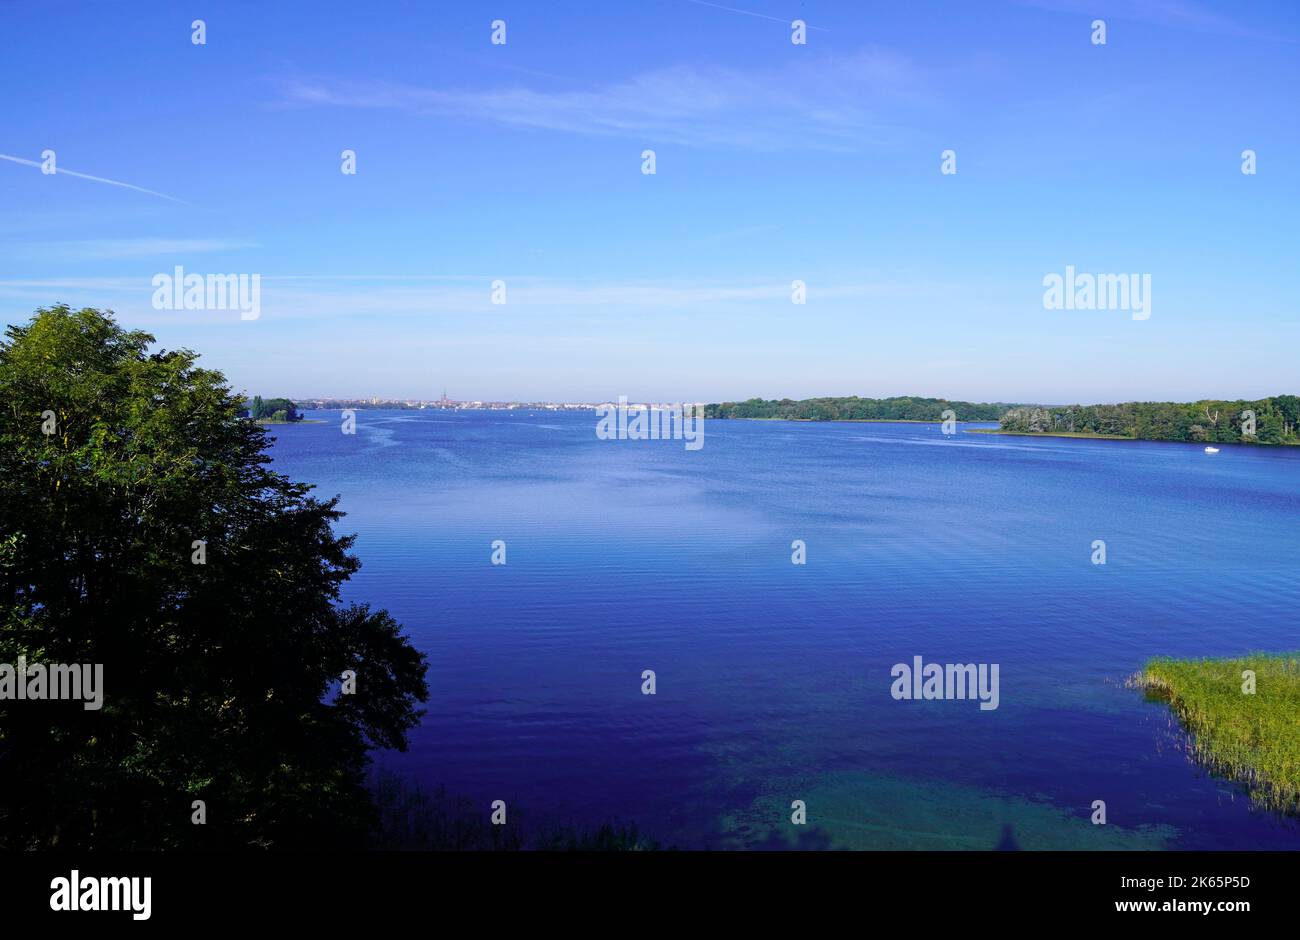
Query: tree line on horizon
{"type": "Point", "coordinates": [853, 408]}
{"type": "Point", "coordinates": [1273, 420]}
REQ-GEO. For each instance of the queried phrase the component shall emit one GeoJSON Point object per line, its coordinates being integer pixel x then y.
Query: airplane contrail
{"type": "Point", "coordinates": [96, 179]}
{"type": "Point", "coordinates": [762, 16]}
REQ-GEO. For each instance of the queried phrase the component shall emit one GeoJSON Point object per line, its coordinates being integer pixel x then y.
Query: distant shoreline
{"type": "Point", "coordinates": [864, 421]}
{"type": "Point", "coordinates": [1087, 435]}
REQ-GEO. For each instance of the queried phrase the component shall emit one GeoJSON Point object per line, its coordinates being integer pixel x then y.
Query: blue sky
{"type": "Point", "coordinates": [775, 162]}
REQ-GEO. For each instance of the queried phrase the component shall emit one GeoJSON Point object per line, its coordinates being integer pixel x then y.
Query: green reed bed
{"type": "Point", "coordinates": [1252, 738]}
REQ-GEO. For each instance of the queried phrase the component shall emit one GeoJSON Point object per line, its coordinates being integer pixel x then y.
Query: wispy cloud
{"type": "Point", "coordinates": [60, 171]}
{"type": "Point", "coordinates": [1177, 14]}
{"type": "Point", "coordinates": [466, 299]}
{"type": "Point", "coordinates": [841, 104]}
{"type": "Point", "coordinates": [109, 249]}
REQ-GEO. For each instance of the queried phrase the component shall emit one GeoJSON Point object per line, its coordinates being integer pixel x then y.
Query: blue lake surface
{"type": "Point", "coordinates": [773, 679]}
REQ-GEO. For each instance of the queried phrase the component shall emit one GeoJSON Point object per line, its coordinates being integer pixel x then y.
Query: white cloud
{"type": "Point", "coordinates": [308, 297]}
{"type": "Point", "coordinates": [845, 104]}
{"type": "Point", "coordinates": [115, 248]}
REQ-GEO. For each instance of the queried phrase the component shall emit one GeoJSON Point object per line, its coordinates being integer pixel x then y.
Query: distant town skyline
{"type": "Point", "coordinates": [501, 234]}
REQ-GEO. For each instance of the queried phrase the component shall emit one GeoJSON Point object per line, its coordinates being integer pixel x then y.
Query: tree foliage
{"type": "Point", "coordinates": [1275, 420]}
{"type": "Point", "coordinates": [272, 409]}
{"type": "Point", "coordinates": [220, 679]}
{"type": "Point", "coordinates": [905, 408]}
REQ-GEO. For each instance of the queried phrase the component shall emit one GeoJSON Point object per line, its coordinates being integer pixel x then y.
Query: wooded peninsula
{"type": "Point", "coordinates": [1265, 421]}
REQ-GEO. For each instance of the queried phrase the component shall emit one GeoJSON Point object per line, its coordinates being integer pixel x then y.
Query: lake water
{"type": "Point", "coordinates": [773, 679]}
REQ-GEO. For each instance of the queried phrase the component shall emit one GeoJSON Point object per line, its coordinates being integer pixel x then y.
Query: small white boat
{"type": "Point", "coordinates": [1211, 450]}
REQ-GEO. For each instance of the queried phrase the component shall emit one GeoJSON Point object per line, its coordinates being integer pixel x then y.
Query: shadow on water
{"type": "Point", "coordinates": [808, 840]}
{"type": "Point", "coordinates": [1008, 841]}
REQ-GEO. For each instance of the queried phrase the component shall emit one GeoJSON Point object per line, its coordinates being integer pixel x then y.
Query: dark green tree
{"type": "Point", "coordinates": [272, 409]}
{"type": "Point", "coordinates": [121, 470]}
